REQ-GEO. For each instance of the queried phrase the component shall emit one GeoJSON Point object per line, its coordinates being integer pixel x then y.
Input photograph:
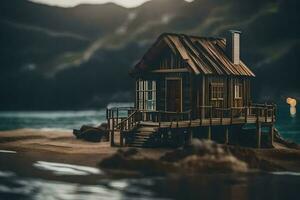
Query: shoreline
{"type": "Point", "coordinates": [60, 146]}
{"type": "Point", "coordinates": [63, 147]}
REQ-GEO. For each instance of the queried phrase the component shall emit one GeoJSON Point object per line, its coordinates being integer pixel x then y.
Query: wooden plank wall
{"type": "Point", "coordinates": [229, 96]}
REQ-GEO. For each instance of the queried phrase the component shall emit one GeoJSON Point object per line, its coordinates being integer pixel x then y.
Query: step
{"type": "Point", "coordinates": [149, 123]}
{"type": "Point", "coordinates": [141, 140]}
{"type": "Point", "coordinates": [141, 137]}
{"type": "Point", "coordinates": [140, 145]}
{"type": "Point", "coordinates": [147, 134]}
{"type": "Point", "coordinates": [147, 129]}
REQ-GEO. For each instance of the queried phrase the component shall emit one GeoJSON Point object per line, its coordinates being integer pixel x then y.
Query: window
{"type": "Point", "coordinates": [146, 95]}
{"type": "Point", "coordinates": [238, 91]}
{"type": "Point", "coordinates": [217, 91]}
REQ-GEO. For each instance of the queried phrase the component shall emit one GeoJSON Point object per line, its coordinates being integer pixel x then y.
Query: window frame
{"type": "Point", "coordinates": [238, 90]}
{"type": "Point", "coordinates": [145, 89]}
{"type": "Point", "coordinates": [216, 91]}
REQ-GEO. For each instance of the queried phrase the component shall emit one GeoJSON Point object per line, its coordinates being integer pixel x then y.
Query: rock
{"type": "Point", "coordinates": [200, 156]}
{"type": "Point", "coordinates": [133, 160]}
{"type": "Point", "coordinates": [205, 156]}
{"type": "Point", "coordinates": [92, 134]}
{"type": "Point", "coordinates": [197, 147]}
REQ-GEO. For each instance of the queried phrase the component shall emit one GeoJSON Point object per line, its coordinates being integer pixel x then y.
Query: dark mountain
{"type": "Point", "coordinates": [73, 58]}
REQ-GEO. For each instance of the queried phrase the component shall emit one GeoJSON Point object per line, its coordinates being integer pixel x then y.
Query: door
{"type": "Point", "coordinates": [174, 95]}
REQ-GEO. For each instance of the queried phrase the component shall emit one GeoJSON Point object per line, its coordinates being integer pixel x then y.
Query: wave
{"type": "Point", "coordinates": [286, 173]}
{"type": "Point", "coordinates": [7, 151]}
{"type": "Point", "coordinates": [66, 169]}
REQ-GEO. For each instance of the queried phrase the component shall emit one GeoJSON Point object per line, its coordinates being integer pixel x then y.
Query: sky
{"type": "Point", "coordinates": [70, 3]}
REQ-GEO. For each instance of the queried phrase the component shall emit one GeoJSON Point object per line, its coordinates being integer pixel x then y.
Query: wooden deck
{"type": "Point", "coordinates": [208, 122]}
{"type": "Point", "coordinates": [125, 119]}
{"type": "Point", "coordinates": [129, 121]}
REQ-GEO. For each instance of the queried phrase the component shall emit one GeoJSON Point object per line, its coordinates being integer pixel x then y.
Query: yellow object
{"type": "Point", "coordinates": [292, 102]}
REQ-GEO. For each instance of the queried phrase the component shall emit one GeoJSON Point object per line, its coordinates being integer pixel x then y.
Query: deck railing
{"type": "Point", "coordinates": [127, 118]}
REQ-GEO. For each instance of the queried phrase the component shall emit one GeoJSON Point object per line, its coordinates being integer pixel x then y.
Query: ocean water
{"type": "Point", "coordinates": [54, 120]}
{"type": "Point", "coordinates": [288, 125]}
{"type": "Point", "coordinates": [44, 180]}
{"type": "Point", "coordinates": [41, 180]}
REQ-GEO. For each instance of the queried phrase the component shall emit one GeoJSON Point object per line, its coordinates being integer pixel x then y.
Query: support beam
{"type": "Point", "coordinates": [271, 134]}
{"type": "Point", "coordinates": [190, 136]}
{"type": "Point", "coordinates": [258, 134]}
{"type": "Point", "coordinates": [112, 138]}
{"type": "Point", "coordinates": [226, 135]}
{"type": "Point", "coordinates": [209, 132]}
{"type": "Point", "coordinates": [121, 139]}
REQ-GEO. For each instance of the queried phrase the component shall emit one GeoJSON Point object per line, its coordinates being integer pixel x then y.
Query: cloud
{"type": "Point", "coordinates": [71, 3]}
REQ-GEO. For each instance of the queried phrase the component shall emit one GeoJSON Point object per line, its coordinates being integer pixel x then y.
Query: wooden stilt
{"type": "Point", "coordinates": [258, 134]}
{"type": "Point", "coordinates": [112, 138]}
{"type": "Point", "coordinates": [209, 133]}
{"type": "Point", "coordinates": [226, 135]}
{"type": "Point", "coordinates": [190, 136]}
{"type": "Point", "coordinates": [271, 134]}
{"type": "Point", "coordinates": [121, 139]}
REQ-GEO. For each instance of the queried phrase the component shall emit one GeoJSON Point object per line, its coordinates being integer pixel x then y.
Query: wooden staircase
{"type": "Point", "coordinates": [143, 136]}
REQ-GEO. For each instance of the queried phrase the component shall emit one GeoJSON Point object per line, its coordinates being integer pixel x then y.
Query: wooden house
{"type": "Point", "coordinates": [184, 82]}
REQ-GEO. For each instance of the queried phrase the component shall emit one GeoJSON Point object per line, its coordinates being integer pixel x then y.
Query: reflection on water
{"type": "Point", "coordinates": [66, 169]}
{"type": "Point", "coordinates": [7, 151]}
{"type": "Point", "coordinates": [209, 186]}
{"type": "Point", "coordinates": [293, 111]}
{"type": "Point", "coordinates": [14, 187]}
{"type": "Point", "coordinates": [287, 173]}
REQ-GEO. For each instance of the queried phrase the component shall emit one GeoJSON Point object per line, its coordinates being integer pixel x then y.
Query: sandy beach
{"type": "Point", "coordinates": [60, 146]}
{"type": "Point", "coordinates": [33, 146]}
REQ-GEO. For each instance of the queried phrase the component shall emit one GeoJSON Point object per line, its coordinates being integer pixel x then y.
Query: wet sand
{"type": "Point", "coordinates": [62, 146]}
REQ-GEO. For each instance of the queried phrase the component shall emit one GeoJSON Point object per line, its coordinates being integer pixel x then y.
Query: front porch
{"type": "Point", "coordinates": [136, 126]}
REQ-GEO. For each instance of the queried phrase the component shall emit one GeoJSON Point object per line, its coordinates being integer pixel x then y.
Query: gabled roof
{"type": "Point", "coordinates": [204, 55]}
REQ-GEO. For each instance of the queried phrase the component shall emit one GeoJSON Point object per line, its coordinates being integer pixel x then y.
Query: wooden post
{"type": "Point", "coordinates": [246, 114]}
{"type": "Point", "coordinates": [112, 136]}
{"type": "Point", "coordinates": [273, 113]}
{"type": "Point", "coordinates": [190, 136]}
{"type": "Point", "coordinates": [201, 115]}
{"type": "Point", "coordinates": [226, 135]}
{"type": "Point", "coordinates": [258, 134]}
{"type": "Point", "coordinates": [266, 112]}
{"type": "Point", "coordinates": [108, 120]}
{"type": "Point", "coordinates": [117, 116]}
{"type": "Point", "coordinates": [210, 120]}
{"type": "Point", "coordinates": [177, 119]}
{"type": "Point", "coordinates": [159, 119]}
{"type": "Point", "coordinates": [231, 115]}
{"type": "Point", "coordinates": [221, 120]}
{"type": "Point", "coordinates": [121, 138]}
{"type": "Point", "coordinates": [271, 134]}
{"type": "Point", "coordinates": [209, 133]}
{"type": "Point", "coordinates": [190, 116]}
